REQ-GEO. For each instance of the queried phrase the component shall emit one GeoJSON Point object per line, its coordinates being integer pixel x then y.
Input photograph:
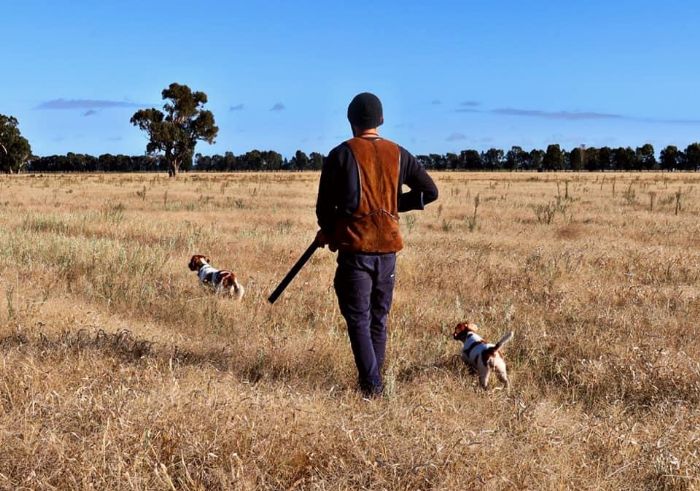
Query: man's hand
{"type": "Point", "coordinates": [322, 241]}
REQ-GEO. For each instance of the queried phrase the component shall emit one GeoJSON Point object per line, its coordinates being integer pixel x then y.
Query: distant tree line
{"type": "Point", "coordinates": [78, 162]}
{"type": "Point", "coordinates": [257, 160]}
{"type": "Point", "coordinates": [578, 159]}
{"type": "Point", "coordinates": [174, 133]}
{"type": "Point", "coordinates": [494, 159]}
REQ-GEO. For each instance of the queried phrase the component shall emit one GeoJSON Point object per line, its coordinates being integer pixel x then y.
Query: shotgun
{"type": "Point", "coordinates": [293, 272]}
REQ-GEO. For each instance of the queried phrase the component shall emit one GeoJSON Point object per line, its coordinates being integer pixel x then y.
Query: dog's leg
{"type": "Point", "coordinates": [500, 367]}
{"type": "Point", "coordinates": [484, 377]}
{"type": "Point", "coordinates": [238, 290]}
{"type": "Point", "coordinates": [503, 377]}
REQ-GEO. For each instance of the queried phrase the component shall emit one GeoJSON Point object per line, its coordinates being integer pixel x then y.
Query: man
{"type": "Point", "coordinates": [359, 199]}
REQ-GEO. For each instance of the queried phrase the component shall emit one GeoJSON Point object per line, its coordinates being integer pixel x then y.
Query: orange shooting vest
{"type": "Point", "coordinates": [374, 226]}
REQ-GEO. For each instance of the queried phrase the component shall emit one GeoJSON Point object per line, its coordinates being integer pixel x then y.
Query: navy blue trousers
{"type": "Point", "coordinates": [364, 284]}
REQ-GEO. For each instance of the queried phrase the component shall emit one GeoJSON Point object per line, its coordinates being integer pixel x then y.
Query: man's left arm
{"type": "Point", "coordinates": [422, 187]}
{"type": "Point", "coordinates": [325, 203]}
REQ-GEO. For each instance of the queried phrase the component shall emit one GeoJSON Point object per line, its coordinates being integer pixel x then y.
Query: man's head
{"type": "Point", "coordinates": [365, 112]}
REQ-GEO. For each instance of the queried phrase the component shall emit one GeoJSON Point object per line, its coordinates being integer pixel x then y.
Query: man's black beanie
{"type": "Point", "coordinates": [365, 111]}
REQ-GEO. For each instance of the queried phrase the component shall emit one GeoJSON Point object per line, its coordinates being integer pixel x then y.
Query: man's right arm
{"type": "Point", "coordinates": [422, 187]}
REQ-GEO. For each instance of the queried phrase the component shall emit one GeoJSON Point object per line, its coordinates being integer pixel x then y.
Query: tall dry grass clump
{"type": "Point", "coordinates": [118, 371]}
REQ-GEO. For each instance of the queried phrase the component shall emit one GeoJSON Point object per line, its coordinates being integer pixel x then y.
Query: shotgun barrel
{"type": "Point", "coordinates": [293, 272]}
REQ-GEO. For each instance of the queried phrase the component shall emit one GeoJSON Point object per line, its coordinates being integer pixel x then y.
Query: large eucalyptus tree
{"type": "Point", "coordinates": [14, 148]}
{"type": "Point", "coordinates": [174, 133]}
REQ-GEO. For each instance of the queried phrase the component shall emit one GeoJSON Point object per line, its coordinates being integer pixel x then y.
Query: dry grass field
{"type": "Point", "coordinates": [117, 371]}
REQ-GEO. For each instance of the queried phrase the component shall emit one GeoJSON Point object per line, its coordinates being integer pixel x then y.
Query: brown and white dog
{"type": "Point", "coordinates": [221, 281]}
{"type": "Point", "coordinates": [480, 356]}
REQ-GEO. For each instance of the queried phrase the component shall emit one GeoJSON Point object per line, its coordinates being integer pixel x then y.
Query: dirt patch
{"type": "Point", "coordinates": [571, 231]}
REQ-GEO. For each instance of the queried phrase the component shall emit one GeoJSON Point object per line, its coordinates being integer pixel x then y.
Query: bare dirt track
{"type": "Point", "coordinates": [118, 372]}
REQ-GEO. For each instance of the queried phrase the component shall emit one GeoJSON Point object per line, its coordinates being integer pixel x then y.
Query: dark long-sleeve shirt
{"type": "Point", "coordinates": [339, 187]}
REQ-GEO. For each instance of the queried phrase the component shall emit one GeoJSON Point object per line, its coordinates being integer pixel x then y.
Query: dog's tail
{"type": "Point", "coordinates": [507, 337]}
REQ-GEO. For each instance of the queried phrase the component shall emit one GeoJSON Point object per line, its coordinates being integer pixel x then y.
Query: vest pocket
{"type": "Point", "coordinates": [375, 232]}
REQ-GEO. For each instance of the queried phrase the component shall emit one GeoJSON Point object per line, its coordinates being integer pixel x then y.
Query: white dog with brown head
{"type": "Point", "coordinates": [481, 356]}
{"type": "Point", "coordinates": [221, 281]}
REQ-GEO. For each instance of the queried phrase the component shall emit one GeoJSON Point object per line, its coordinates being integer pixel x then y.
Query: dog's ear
{"type": "Point", "coordinates": [459, 329]}
{"type": "Point", "coordinates": [196, 262]}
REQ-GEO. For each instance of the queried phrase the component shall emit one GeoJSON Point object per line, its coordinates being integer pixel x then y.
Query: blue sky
{"type": "Point", "coordinates": [279, 74]}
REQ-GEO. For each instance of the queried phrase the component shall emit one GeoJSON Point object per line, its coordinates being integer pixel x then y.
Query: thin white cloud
{"type": "Point", "coordinates": [85, 104]}
{"type": "Point", "coordinates": [573, 115]}
{"type": "Point", "coordinates": [566, 115]}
